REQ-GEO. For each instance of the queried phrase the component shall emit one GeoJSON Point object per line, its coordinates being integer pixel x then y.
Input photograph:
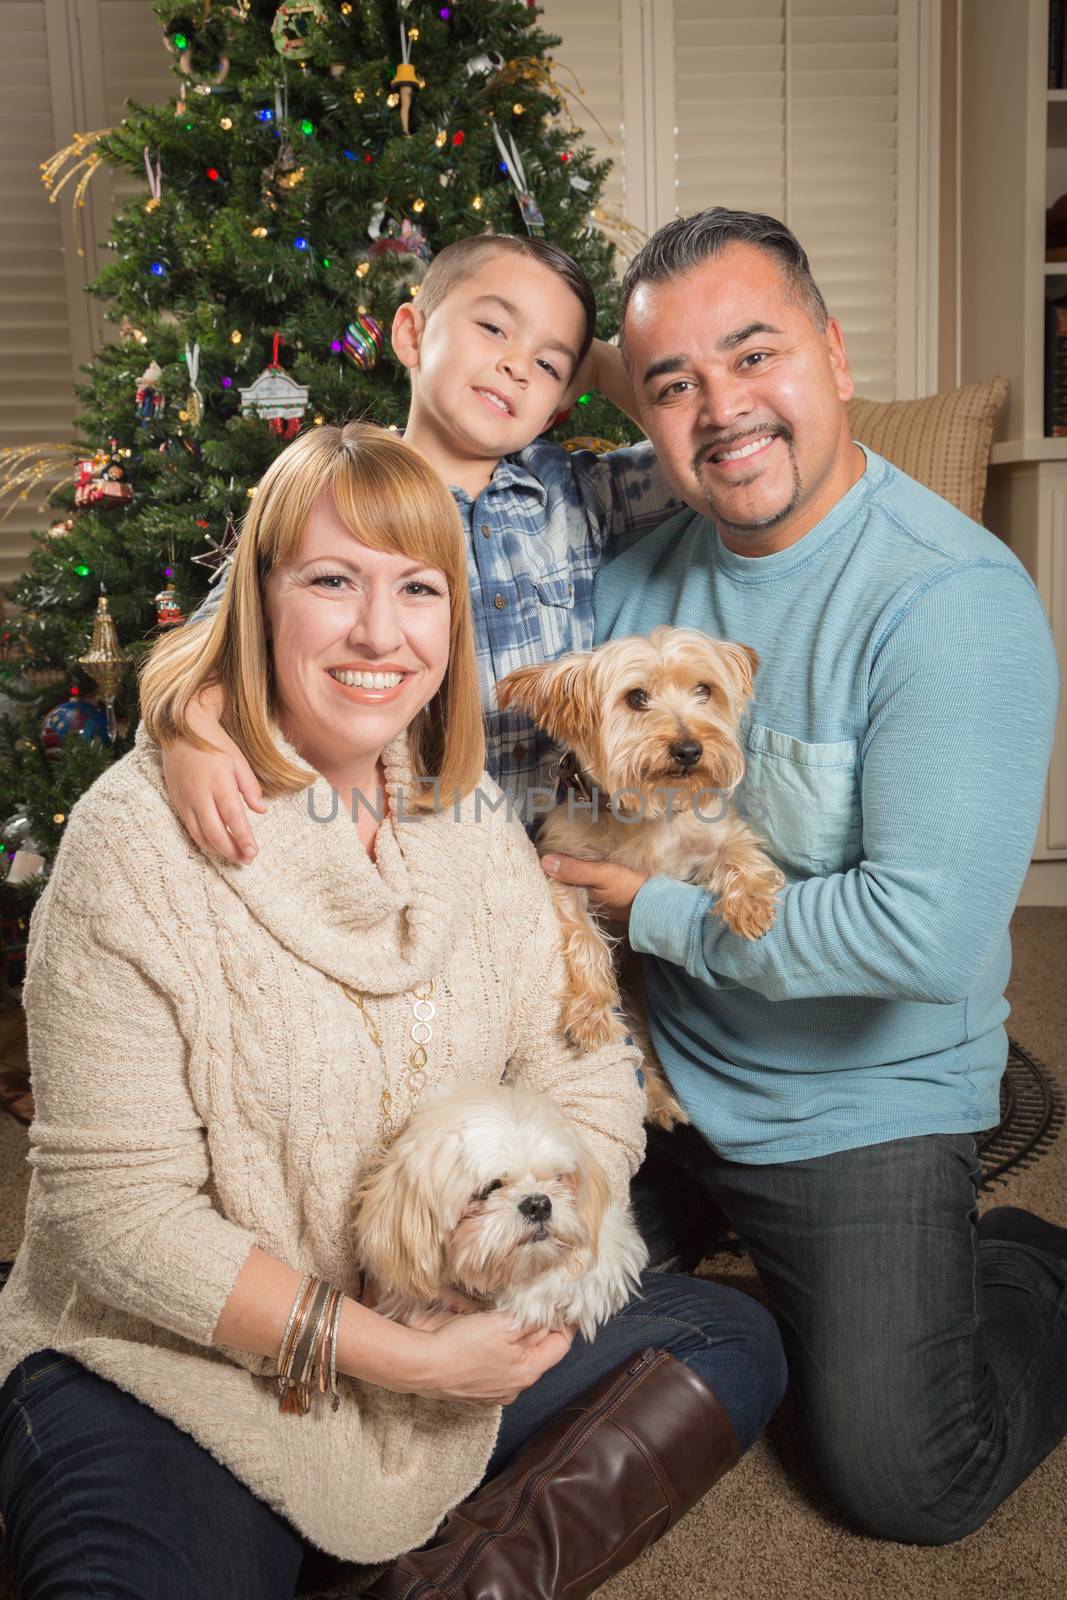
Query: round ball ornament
{"type": "Point", "coordinates": [73, 716]}
{"type": "Point", "coordinates": [294, 26]}
{"type": "Point", "coordinates": [363, 341]}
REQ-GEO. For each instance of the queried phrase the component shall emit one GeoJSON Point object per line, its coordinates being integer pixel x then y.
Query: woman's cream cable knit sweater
{"type": "Point", "coordinates": [203, 1085]}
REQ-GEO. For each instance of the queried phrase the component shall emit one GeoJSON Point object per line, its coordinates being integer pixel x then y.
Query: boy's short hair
{"type": "Point", "coordinates": [463, 258]}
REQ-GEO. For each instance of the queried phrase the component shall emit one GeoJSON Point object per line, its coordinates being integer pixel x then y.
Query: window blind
{"type": "Point", "coordinates": [792, 107]}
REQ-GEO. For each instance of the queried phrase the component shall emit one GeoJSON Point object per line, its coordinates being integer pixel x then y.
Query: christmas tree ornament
{"type": "Point", "coordinates": [363, 341]}
{"type": "Point", "coordinates": [219, 554]}
{"type": "Point", "coordinates": [296, 26]}
{"type": "Point", "coordinates": [276, 398]}
{"type": "Point", "coordinates": [73, 717]}
{"type": "Point", "coordinates": [179, 447]}
{"type": "Point", "coordinates": [405, 79]}
{"type": "Point", "coordinates": [404, 246]}
{"type": "Point", "coordinates": [480, 66]}
{"type": "Point", "coordinates": [194, 400]}
{"type": "Point", "coordinates": [528, 207]}
{"type": "Point", "coordinates": [151, 401]}
{"type": "Point", "coordinates": [281, 176]}
{"type": "Point", "coordinates": [100, 480]}
{"type": "Point", "coordinates": [168, 611]}
{"type": "Point", "coordinates": [105, 661]}
{"type": "Point", "coordinates": [155, 181]}
{"type": "Point", "coordinates": [59, 530]}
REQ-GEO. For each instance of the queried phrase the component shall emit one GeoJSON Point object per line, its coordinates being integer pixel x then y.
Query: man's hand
{"type": "Point", "coordinates": [611, 887]}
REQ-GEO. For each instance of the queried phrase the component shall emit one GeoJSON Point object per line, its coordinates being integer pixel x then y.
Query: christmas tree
{"type": "Point", "coordinates": [316, 154]}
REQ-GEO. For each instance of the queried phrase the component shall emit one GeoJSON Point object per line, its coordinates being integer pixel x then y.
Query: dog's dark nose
{"type": "Point", "coordinates": [687, 752]}
{"type": "Point", "coordinates": [536, 1207]}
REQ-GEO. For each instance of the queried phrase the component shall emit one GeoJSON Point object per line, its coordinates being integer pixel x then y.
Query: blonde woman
{"type": "Point", "coordinates": [217, 1052]}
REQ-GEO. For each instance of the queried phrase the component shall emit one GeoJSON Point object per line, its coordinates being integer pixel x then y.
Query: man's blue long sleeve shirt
{"type": "Point", "coordinates": [896, 749]}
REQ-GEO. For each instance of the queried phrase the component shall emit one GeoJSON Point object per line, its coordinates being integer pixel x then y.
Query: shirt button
{"type": "Point", "coordinates": [500, 602]}
{"type": "Point", "coordinates": [520, 752]}
{"type": "Point", "coordinates": [486, 530]}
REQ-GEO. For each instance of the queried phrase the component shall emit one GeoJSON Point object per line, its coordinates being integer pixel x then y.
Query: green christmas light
{"type": "Point", "coordinates": [307, 127]}
{"type": "Point", "coordinates": [83, 571]}
{"type": "Point", "coordinates": [584, 399]}
{"type": "Point", "coordinates": [180, 40]}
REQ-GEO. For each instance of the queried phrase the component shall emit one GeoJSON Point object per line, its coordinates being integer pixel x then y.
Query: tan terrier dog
{"type": "Point", "coordinates": [649, 727]}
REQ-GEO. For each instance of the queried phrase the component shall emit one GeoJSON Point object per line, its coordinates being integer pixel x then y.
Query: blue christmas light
{"type": "Point", "coordinates": [300, 242]}
{"type": "Point", "coordinates": [503, 166]}
{"type": "Point", "coordinates": [266, 115]}
{"type": "Point", "coordinates": [350, 155]}
{"type": "Point", "coordinates": [158, 270]}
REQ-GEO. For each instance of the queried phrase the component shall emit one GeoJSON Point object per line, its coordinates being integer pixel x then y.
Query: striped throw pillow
{"type": "Point", "coordinates": [943, 441]}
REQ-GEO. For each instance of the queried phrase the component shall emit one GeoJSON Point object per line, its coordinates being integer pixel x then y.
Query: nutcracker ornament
{"type": "Point", "coordinates": [151, 401]}
{"type": "Point", "coordinates": [405, 80]}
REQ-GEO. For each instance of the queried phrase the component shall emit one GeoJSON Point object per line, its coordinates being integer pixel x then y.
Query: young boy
{"type": "Point", "coordinates": [497, 344]}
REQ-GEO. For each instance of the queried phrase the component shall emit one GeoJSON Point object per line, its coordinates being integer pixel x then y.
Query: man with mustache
{"type": "Point", "coordinates": [837, 1071]}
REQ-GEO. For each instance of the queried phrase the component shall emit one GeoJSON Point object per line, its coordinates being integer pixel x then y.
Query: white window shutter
{"type": "Point", "coordinates": [791, 107]}
{"type": "Point", "coordinates": [592, 49]}
{"type": "Point", "coordinates": [67, 66]}
{"type": "Point", "coordinates": [36, 397]}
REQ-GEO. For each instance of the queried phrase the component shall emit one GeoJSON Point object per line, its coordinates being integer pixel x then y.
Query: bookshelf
{"type": "Point", "coordinates": [1013, 165]}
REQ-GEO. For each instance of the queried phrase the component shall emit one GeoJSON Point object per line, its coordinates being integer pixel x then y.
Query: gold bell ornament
{"type": "Point", "coordinates": [405, 80]}
{"type": "Point", "coordinates": [105, 661]}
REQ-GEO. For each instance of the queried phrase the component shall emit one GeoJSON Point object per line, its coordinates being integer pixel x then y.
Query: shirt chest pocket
{"type": "Point", "coordinates": [804, 800]}
{"type": "Point", "coordinates": [554, 588]}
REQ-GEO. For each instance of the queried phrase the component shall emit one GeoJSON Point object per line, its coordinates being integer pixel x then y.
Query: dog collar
{"type": "Point", "coordinates": [571, 776]}
{"type": "Point", "coordinates": [484, 1302]}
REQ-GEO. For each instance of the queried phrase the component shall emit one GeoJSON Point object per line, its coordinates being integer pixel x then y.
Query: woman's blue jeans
{"type": "Point", "coordinates": [929, 1362]}
{"type": "Point", "coordinates": [101, 1496]}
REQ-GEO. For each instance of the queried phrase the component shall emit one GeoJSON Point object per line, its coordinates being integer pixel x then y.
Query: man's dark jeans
{"type": "Point", "coordinates": [929, 1365]}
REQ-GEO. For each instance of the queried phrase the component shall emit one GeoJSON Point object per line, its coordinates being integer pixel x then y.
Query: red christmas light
{"type": "Point", "coordinates": [457, 138]}
{"type": "Point", "coordinates": [368, 159]}
{"type": "Point", "coordinates": [213, 174]}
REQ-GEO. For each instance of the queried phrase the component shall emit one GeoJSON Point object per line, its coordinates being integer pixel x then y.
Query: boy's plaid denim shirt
{"type": "Point", "coordinates": [536, 534]}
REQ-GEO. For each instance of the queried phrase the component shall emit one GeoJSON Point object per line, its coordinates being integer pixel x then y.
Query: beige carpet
{"type": "Point", "coordinates": [765, 1533]}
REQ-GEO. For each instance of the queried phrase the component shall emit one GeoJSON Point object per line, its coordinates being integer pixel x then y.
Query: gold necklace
{"type": "Point", "coordinates": [413, 1079]}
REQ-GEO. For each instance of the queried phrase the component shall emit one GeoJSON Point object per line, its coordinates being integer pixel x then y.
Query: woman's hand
{"type": "Point", "coordinates": [481, 1358]}
{"type": "Point", "coordinates": [207, 787]}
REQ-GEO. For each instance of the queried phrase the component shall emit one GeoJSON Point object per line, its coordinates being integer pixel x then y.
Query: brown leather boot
{"type": "Point", "coordinates": [593, 1488]}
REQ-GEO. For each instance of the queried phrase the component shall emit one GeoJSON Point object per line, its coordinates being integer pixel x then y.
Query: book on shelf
{"type": "Point", "coordinates": [1056, 32]}
{"type": "Point", "coordinates": [1056, 368]}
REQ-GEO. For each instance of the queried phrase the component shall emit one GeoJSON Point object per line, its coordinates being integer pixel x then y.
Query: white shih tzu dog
{"type": "Point", "coordinates": [491, 1194]}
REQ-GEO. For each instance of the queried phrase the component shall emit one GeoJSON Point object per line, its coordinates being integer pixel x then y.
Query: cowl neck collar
{"type": "Point", "coordinates": [380, 926]}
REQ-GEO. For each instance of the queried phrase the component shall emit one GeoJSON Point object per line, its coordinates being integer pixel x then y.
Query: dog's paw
{"type": "Point", "coordinates": [749, 914]}
{"type": "Point", "coordinates": [590, 1025]}
{"type": "Point", "coordinates": [662, 1110]}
